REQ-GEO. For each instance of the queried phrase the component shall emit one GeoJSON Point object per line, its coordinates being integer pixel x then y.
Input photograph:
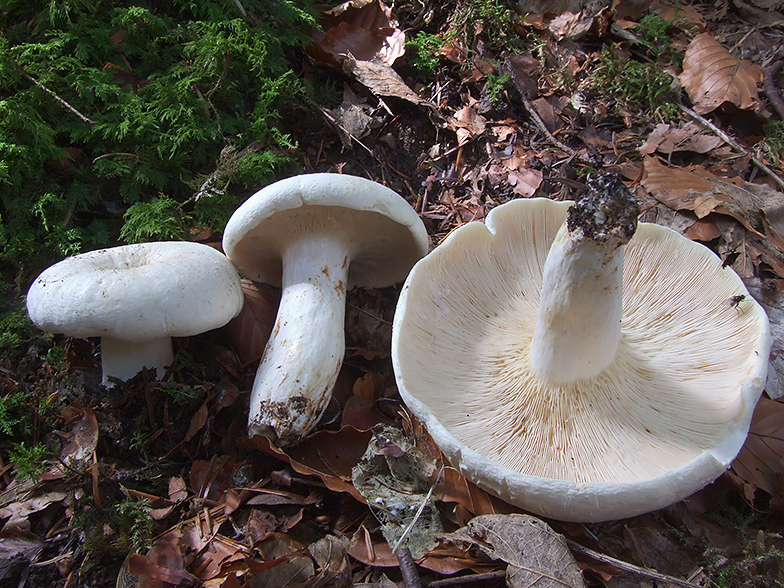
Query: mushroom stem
{"type": "Point", "coordinates": [124, 359]}
{"type": "Point", "coordinates": [304, 354]}
{"type": "Point", "coordinates": [578, 325]}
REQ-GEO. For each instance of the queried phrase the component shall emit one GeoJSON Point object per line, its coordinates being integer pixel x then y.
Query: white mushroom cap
{"type": "Point", "coordinates": [382, 233]}
{"type": "Point", "coordinates": [135, 296]}
{"type": "Point", "coordinates": [315, 235]}
{"type": "Point", "coordinates": [664, 418]}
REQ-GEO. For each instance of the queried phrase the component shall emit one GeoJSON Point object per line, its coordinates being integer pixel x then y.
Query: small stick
{"type": "Point", "coordinates": [408, 568]}
{"type": "Point", "coordinates": [732, 143]}
{"type": "Point", "coordinates": [56, 97]}
{"type": "Point", "coordinates": [535, 115]}
{"type": "Point", "coordinates": [771, 90]}
{"type": "Point", "coordinates": [627, 567]}
{"type": "Point", "coordinates": [471, 579]}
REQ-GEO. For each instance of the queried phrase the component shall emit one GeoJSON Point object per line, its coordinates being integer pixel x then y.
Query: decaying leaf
{"type": "Point", "coordinates": [380, 78]}
{"type": "Point", "coordinates": [80, 442]}
{"type": "Point", "coordinates": [712, 75]}
{"type": "Point", "coordinates": [247, 333]}
{"type": "Point", "coordinates": [394, 477]}
{"type": "Point", "coordinates": [162, 565]}
{"type": "Point", "coordinates": [365, 29]}
{"type": "Point", "coordinates": [667, 138]}
{"type": "Point", "coordinates": [760, 463]}
{"type": "Point", "coordinates": [329, 455]}
{"type": "Point", "coordinates": [759, 209]}
{"type": "Point", "coordinates": [536, 555]}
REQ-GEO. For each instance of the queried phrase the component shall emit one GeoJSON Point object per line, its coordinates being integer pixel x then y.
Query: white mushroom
{"type": "Point", "coordinates": [580, 380]}
{"type": "Point", "coordinates": [136, 298]}
{"type": "Point", "coordinates": [315, 235]}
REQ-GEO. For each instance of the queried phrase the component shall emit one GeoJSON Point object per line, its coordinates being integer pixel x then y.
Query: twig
{"type": "Point", "coordinates": [56, 97]}
{"type": "Point", "coordinates": [627, 567]}
{"type": "Point", "coordinates": [733, 143]}
{"type": "Point", "coordinates": [771, 90]}
{"type": "Point", "coordinates": [535, 115]}
{"type": "Point", "coordinates": [418, 512]}
{"type": "Point", "coordinates": [471, 579]}
{"type": "Point", "coordinates": [408, 568]}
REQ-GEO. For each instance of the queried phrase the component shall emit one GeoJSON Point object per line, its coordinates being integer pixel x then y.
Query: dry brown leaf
{"type": "Point", "coordinates": [328, 455]}
{"type": "Point", "coordinates": [365, 29]}
{"type": "Point", "coordinates": [163, 565]}
{"type": "Point", "coordinates": [535, 554]}
{"type": "Point", "coordinates": [247, 333]}
{"type": "Point", "coordinates": [571, 26]}
{"type": "Point", "coordinates": [380, 78]}
{"type": "Point", "coordinates": [712, 75]}
{"type": "Point", "coordinates": [468, 125]}
{"type": "Point", "coordinates": [760, 463]}
{"type": "Point", "coordinates": [80, 442]}
{"type": "Point", "coordinates": [669, 139]}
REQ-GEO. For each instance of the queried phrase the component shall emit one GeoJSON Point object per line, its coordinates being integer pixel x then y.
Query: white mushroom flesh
{"type": "Point", "coordinates": [303, 356]}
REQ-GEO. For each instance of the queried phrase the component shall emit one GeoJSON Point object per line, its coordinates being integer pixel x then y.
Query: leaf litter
{"type": "Point", "coordinates": [227, 511]}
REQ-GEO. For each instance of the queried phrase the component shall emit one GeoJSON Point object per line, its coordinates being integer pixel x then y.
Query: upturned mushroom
{"type": "Point", "coordinates": [577, 368]}
{"type": "Point", "coordinates": [136, 298]}
{"type": "Point", "coordinates": [315, 236]}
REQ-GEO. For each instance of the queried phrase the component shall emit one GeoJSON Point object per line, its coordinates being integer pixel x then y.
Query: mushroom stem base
{"type": "Point", "coordinates": [124, 359]}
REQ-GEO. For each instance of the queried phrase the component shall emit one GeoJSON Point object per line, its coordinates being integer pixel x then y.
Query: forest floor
{"type": "Point", "coordinates": [154, 482]}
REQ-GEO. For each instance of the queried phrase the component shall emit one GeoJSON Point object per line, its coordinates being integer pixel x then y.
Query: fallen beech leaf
{"type": "Point", "coordinates": [328, 455]}
{"type": "Point", "coordinates": [536, 554]}
{"type": "Point", "coordinates": [162, 565]}
{"type": "Point", "coordinates": [712, 75]}
{"type": "Point", "coordinates": [468, 125]}
{"type": "Point", "coordinates": [760, 463]}
{"type": "Point", "coordinates": [365, 29]}
{"type": "Point", "coordinates": [571, 26]}
{"type": "Point", "coordinates": [247, 333]}
{"type": "Point", "coordinates": [197, 422]}
{"type": "Point", "coordinates": [80, 442]}
{"type": "Point", "coordinates": [669, 139]}
{"type": "Point", "coordinates": [331, 555]}
{"type": "Point", "coordinates": [380, 79]}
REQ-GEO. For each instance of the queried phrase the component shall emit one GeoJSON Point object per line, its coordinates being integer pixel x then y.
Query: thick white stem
{"type": "Point", "coordinates": [124, 359]}
{"type": "Point", "coordinates": [579, 322]}
{"type": "Point", "coordinates": [304, 354]}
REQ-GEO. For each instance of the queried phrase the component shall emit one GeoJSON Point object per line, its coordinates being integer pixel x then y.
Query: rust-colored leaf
{"type": "Point", "coordinates": [760, 463]}
{"type": "Point", "coordinates": [247, 333]}
{"type": "Point", "coordinates": [712, 75]}
{"type": "Point", "coordinates": [365, 29]}
{"type": "Point", "coordinates": [328, 455]}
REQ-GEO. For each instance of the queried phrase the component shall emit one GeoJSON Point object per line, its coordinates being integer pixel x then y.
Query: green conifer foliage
{"type": "Point", "coordinates": [133, 120]}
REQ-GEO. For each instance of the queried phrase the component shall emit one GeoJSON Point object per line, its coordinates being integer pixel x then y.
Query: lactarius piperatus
{"type": "Point", "coordinates": [315, 236]}
{"type": "Point", "coordinates": [136, 298]}
{"type": "Point", "coordinates": [571, 374]}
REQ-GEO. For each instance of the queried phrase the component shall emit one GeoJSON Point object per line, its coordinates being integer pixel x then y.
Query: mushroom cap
{"type": "Point", "coordinates": [137, 292]}
{"type": "Point", "coordinates": [665, 418]}
{"type": "Point", "coordinates": [383, 234]}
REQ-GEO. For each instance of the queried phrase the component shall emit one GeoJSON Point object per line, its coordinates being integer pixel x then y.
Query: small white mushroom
{"type": "Point", "coordinates": [136, 298]}
{"type": "Point", "coordinates": [315, 235]}
{"type": "Point", "coordinates": [572, 375]}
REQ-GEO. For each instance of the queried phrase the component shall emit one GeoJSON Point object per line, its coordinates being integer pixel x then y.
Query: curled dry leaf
{"type": "Point", "coordinates": [669, 139]}
{"type": "Point", "coordinates": [712, 75]}
{"type": "Point", "coordinates": [328, 455]}
{"type": "Point", "coordinates": [536, 555]}
{"type": "Point", "coordinates": [365, 29]}
{"type": "Point", "coordinates": [760, 463]}
{"type": "Point", "coordinates": [80, 442]}
{"type": "Point", "coordinates": [758, 208]}
{"type": "Point", "coordinates": [247, 333]}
